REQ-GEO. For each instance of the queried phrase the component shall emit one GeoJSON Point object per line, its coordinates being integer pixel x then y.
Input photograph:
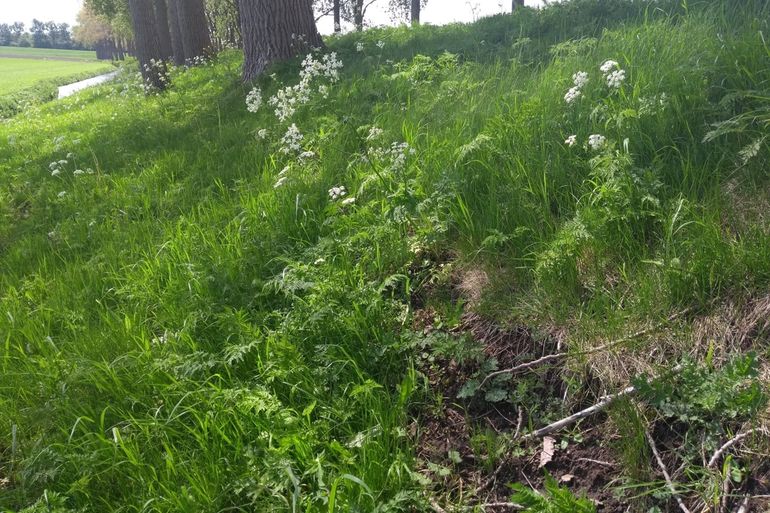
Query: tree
{"type": "Point", "coordinates": [224, 25]}
{"type": "Point", "coordinates": [516, 3]}
{"type": "Point", "coordinates": [147, 42]}
{"type": "Point", "coordinates": [177, 47]}
{"type": "Point", "coordinates": [164, 34]}
{"type": "Point", "coordinates": [194, 29]}
{"type": "Point", "coordinates": [406, 9]}
{"type": "Point", "coordinates": [274, 30]}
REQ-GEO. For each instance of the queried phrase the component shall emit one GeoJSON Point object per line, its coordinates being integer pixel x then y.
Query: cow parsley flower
{"type": "Point", "coordinates": [78, 172]}
{"type": "Point", "coordinates": [571, 140]}
{"type": "Point", "coordinates": [306, 155]}
{"type": "Point", "coordinates": [608, 66]}
{"type": "Point", "coordinates": [280, 182]}
{"type": "Point", "coordinates": [61, 194]}
{"type": "Point", "coordinates": [359, 47]}
{"type": "Point", "coordinates": [580, 79]}
{"type": "Point", "coordinates": [337, 192]}
{"type": "Point", "coordinates": [380, 44]}
{"type": "Point", "coordinates": [597, 141]}
{"type": "Point", "coordinates": [348, 201]}
{"type": "Point", "coordinates": [572, 95]}
{"type": "Point", "coordinates": [616, 78]}
{"type": "Point", "coordinates": [291, 140]}
{"type": "Point", "coordinates": [56, 172]}
{"type": "Point", "coordinates": [374, 133]}
{"type": "Point", "coordinates": [254, 100]}
{"type": "Point", "coordinates": [262, 133]}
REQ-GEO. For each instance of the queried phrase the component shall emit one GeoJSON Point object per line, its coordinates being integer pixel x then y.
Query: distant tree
{"type": "Point", "coordinates": [406, 9]}
{"type": "Point", "coordinates": [223, 20]}
{"type": "Point", "coordinates": [6, 36]}
{"type": "Point", "coordinates": [147, 42]}
{"type": "Point", "coordinates": [516, 3]}
{"type": "Point", "coordinates": [94, 31]}
{"type": "Point", "coordinates": [39, 31]}
{"type": "Point", "coordinates": [274, 30]}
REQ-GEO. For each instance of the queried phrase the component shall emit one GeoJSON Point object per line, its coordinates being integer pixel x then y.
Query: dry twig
{"type": "Point", "coordinates": [667, 477]}
{"type": "Point", "coordinates": [734, 440]}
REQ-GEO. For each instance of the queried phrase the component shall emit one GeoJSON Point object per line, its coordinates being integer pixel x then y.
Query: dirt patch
{"type": "Point", "coordinates": [469, 448]}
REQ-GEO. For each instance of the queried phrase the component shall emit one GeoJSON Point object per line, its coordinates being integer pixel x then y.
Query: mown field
{"type": "Point", "coordinates": [22, 68]}
{"type": "Point", "coordinates": [371, 298]}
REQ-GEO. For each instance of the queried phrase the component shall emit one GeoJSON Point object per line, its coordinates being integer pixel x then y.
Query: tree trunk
{"type": "Point", "coordinates": [175, 31]}
{"type": "Point", "coordinates": [415, 12]}
{"type": "Point", "coordinates": [147, 42]}
{"type": "Point", "coordinates": [337, 17]}
{"type": "Point", "coordinates": [358, 14]}
{"type": "Point", "coordinates": [164, 35]}
{"type": "Point", "coordinates": [194, 29]}
{"type": "Point", "coordinates": [271, 30]}
{"type": "Point", "coordinates": [515, 4]}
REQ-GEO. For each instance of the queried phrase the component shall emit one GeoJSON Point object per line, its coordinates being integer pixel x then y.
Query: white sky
{"type": "Point", "coordinates": [437, 11]}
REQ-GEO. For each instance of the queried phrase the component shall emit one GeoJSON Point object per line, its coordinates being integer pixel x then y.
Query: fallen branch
{"type": "Point", "coordinates": [665, 473]}
{"type": "Point", "coordinates": [436, 507]}
{"type": "Point", "coordinates": [744, 508]}
{"type": "Point", "coordinates": [734, 440]}
{"type": "Point", "coordinates": [604, 347]}
{"type": "Point", "coordinates": [602, 404]}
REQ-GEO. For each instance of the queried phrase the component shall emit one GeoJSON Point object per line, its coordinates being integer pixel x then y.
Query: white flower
{"type": "Point", "coordinates": [323, 90]}
{"type": "Point", "coordinates": [284, 171]}
{"type": "Point", "coordinates": [608, 65]}
{"type": "Point", "coordinates": [319, 261]}
{"type": "Point", "coordinates": [62, 162]}
{"type": "Point", "coordinates": [78, 172]}
{"type": "Point", "coordinates": [262, 133]}
{"type": "Point", "coordinates": [571, 140]}
{"type": "Point", "coordinates": [305, 155]}
{"type": "Point", "coordinates": [337, 192]}
{"type": "Point", "coordinates": [291, 140]}
{"type": "Point", "coordinates": [616, 78]}
{"type": "Point", "coordinates": [597, 141]}
{"type": "Point", "coordinates": [62, 194]}
{"type": "Point", "coordinates": [56, 172]}
{"type": "Point", "coordinates": [359, 47]}
{"type": "Point", "coordinates": [380, 44]}
{"type": "Point", "coordinates": [70, 155]}
{"type": "Point", "coordinates": [348, 201]}
{"type": "Point", "coordinates": [254, 100]}
{"type": "Point", "coordinates": [580, 79]}
{"type": "Point", "coordinates": [572, 95]}
{"type": "Point", "coordinates": [280, 182]}
{"type": "Point", "coordinates": [374, 133]}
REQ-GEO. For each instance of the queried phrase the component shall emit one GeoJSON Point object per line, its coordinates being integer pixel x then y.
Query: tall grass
{"type": "Point", "coordinates": [179, 335]}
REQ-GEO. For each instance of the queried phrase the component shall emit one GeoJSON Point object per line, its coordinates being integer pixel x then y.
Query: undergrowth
{"type": "Point", "coordinates": [210, 309]}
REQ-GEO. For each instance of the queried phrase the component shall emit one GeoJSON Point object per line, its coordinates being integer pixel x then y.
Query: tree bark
{"type": "Point", "coordinates": [358, 14]}
{"type": "Point", "coordinates": [164, 34]}
{"type": "Point", "coordinates": [175, 31]}
{"type": "Point", "coordinates": [415, 12]}
{"type": "Point", "coordinates": [274, 30]}
{"type": "Point", "coordinates": [337, 17]}
{"type": "Point", "coordinates": [194, 29]}
{"type": "Point", "coordinates": [147, 42]}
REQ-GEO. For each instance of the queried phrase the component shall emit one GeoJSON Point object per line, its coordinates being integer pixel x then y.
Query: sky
{"type": "Point", "coordinates": [436, 12]}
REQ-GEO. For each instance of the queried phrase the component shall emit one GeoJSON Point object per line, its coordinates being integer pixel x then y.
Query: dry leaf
{"type": "Point", "coordinates": [549, 448]}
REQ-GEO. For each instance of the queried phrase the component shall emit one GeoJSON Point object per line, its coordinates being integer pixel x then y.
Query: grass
{"type": "Point", "coordinates": [19, 74]}
{"type": "Point", "coordinates": [179, 334]}
{"type": "Point", "coordinates": [47, 53]}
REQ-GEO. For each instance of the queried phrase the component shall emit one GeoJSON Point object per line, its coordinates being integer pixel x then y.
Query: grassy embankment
{"type": "Point", "coordinates": [32, 75]}
{"type": "Point", "coordinates": [190, 322]}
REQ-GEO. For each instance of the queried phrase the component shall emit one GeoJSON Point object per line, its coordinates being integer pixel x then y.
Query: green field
{"type": "Point", "coordinates": [21, 68]}
{"type": "Point", "coordinates": [370, 290]}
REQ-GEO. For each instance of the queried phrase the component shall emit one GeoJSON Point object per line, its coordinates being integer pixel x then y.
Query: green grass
{"type": "Point", "coordinates": [17, 74]}
{"type": "Point", "coordinates": [47, 53]}
{"type": "Point", "coordinates": [179, 334]}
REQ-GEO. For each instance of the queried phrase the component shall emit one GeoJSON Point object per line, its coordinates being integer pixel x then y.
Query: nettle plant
{"type": "Point", "coordinates": [621, 207]}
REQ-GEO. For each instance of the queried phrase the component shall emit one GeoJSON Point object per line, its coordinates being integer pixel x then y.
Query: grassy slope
{"type": "Point", "coordinates": [47, 53]}
{"type": "Point", "coordinates": [17, 73]}
{"type": "Point", "coordinates": [179, 335]}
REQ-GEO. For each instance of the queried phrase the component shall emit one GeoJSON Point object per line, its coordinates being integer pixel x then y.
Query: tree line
{"type": "Point", "coordinates": [41, 34]}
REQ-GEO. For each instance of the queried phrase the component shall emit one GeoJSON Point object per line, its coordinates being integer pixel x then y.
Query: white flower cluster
{"type": "Point", "coordinates": [254, 100]}
{"type": "Point", "coordinates": [649, 105]}
{"type": "Point", "coordinates": [291, 140]}
{"type": "Point", "coordinates": [597, 141]}
{"type": "Point", "coordinates": [396, 155]}
{"type": "Point", "coordinates": [57, 166]}
{"type": "Point", "coordinates": [613, 74]}
{"type": "Point", "coordinates": [287, 99]}
{"type": "Point", "coordinates": [262, 133]}
{"type": "Point", "coordinates": [359, 47]}
{"type": "Point", "coordinates": [337, 192]}
{"type": "Point", "coordinates": [374, 133]}
{"type": "Point", "coordinates": [571, 141]}
{"type": "Point", "coordinates": [580, 79]}
{"type": "Point", "coordinates": [380, 44]}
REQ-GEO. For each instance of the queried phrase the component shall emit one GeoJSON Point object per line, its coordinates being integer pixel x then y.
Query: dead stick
{"type": "Point", "coordinates": [734, 440]}
{"type": "Point", "coordinates": [557, 356]}
{"type": "Point", "coordinates": [436, 507]}
{"type": "Point", "coordinates": [744, 505]}
{"type": "Point", "coordinates": [602, 404]}
{"type": "Point", "coordinates": [665, 473]}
